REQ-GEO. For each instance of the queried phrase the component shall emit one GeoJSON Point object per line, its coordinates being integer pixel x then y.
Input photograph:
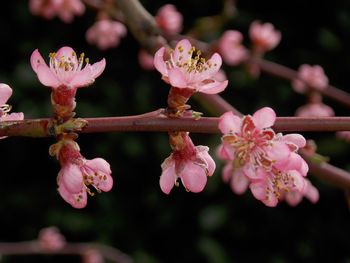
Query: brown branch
{"type": "Point", "coordinates": [144, 123]}
{"type": "Point", "coordinates": [33, 247]}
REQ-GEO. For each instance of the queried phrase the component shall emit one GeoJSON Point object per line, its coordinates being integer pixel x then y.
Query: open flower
{"type": "Point", "coordinates": [5, 115]}
{"type": "Point", "coordinates": [258, 158]}
{"type": "Point", "coordinates": [186, 69]}
{"type": "Point", "coordinates": [66, 69]}
{"type": "Point", "coordinates": [192, 164]}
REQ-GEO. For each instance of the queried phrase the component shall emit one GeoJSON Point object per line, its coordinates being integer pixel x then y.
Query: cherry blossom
{"type": "Point", "coordinates": [186, 69]}
{"type": "Point", "coordinates": [258, 158]}
{"type": "Point", "coordinates": [64, 9]}
{"type": "Point", "coordinates": [192, 164]}
{"type": "Point", "coordinates": [106, 33]}
{"type": "Point", "coordinates": [169, 19]}
{"type": "Point", "coordinates": [264, 36]}
{"type": "Point", "coordinates": [79, 176]}
{"type": "Point", "coordinates": [231, 48]}
{"type": "Point", "coordinates": [66, 69]}
{"type": "Point", "coordinates": [145, 60]}
{"type": "Point", "coordinates": [310, 76]}
{"type": "Point", "coordinates": [314, 110]}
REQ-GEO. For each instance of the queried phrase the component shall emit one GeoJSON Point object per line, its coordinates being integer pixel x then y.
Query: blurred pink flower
{"type": "Point", "coordinates": [231, 48]}
{"type": "Point", "coordinates": [92, 256]}
{"type": "Point", "coordinates": [310, 76]}
{"type": "Point", "coordinates": [5, 94]}
{"type": "Point", "coordinates": [66, 69]}
{"type": "Point", "coordinates": [106, 33]}
{"type": "Point", "coordinates": [182, 70]}
{"type": "Point", "coordinates": [345, 135]}
{"type": "Point", "coordinates": [192, 164]}
{"type": "Point", "coordinates": [64, 9]}
{"type": "Point", "coordinates": [314, 110]}
{"type": "Point", "coordinates": [50, 239]}
{"type": "Point", "coordinates": [264, 36]}
{"type": "Point", "coordinates": [145, 60]}
{"type": "Point", "coordinates": [169, 19]}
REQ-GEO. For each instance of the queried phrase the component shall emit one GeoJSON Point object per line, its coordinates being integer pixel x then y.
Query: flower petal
{"type": "Point", "coordinates": [213, 87]}
{"type": "Point", "coordinates": [159, 63]}
{"type": "Point", "coordinates": [229, 122]}
{"type": "Point", "coordinates": [168, 178]}
{"type": "Point", "coordinates": [193, 177]}
{"type": "Point", "coordinates": [295, 138]}
{"type": "Point", "coordinates": [5, 93]}
{"type": "Point", "coordinates": [78, 200]}
{"type": "Point", "coordinates": [36, 59]}
{"type": "Point", "coordinates": [239, 182]}
{"type": "Point", "coordinates": [72, 178]}
{"type": "Point", "coordinates": [227, 172]}
{"type": "Point", "coordinates": [182, 51]}
{"type": "Point", "coordinates": [14, 116]}
{"type": "Point", "coordinates": [177, 78]}
{"type": "Point", "coordinates": [82, 78]}
{"type": "Point", "coordinates": [46, 77]}
{"type": "Point", "coordinates": [264, 118]}
{"type": "Point", "coordinates": [97, 68]}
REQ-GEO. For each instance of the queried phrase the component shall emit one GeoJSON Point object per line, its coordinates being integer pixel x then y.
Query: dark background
{"type": "Point", "coordinates": [215, 226]}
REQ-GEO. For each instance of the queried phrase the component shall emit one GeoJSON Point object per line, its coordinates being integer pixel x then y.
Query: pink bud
{"type": "Point", "coordinates": [169, 19]}
{"type": "Point", "coordinates": [264, 36]}
{"type": "Point", "coordinates": [51, 239]}
{"type": "Point", "coordinates": [231, 48]}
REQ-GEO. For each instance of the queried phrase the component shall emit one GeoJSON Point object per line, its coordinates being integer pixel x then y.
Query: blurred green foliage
{"type": "Point", "coordinates": [215, 226]}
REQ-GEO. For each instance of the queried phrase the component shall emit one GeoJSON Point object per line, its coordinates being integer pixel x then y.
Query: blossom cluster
{"type": "Point", "coordinates": [266, 162]}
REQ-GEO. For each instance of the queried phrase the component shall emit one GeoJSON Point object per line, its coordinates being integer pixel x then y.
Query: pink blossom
{"type": "Point", "coordinates": [264, 36]}
{"type": "Point", "coordinates": [192, 164]}
{"type": "Point", "coordinates": [314, 110]}
{"type": "Point", "coordinates": [169, 19]}
{"type": "Point", "coordinates": [145, 60]}
{"type": "Point", "coordinates": [64, 9]}
{"type": "Point", "coordinates": [66, 69]}
{"type": "Point", "coordinates": [310, 76]}
{"type": "Point", "coordinates": [182, 70]}
{"type": "Point", "coordinates": [5, 94]}
{"type": "Point", "coordinates": [106, 33]}
{"type": "Point", "coordinates": [50, 239]}
{"type": "Point", "coordinates": [258, 158]}
{"type": "Point", "coordinates": [231, 48]}
{"type": "Point", "coordinates": [78, 174]}
{"type": "Point", "coordinates": [345, 135]}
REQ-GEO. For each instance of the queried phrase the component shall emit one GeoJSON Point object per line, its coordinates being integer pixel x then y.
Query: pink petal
{"type": "Point", "coordinates": [213, 88]}
{"type": "Point", "coordinates": [229, 122]}
{"type": "Point", "coordinates": [66, 52]}
{"type": "Point", "coordinates": [311, 192]}
{"type": "Point", "coordinates": [239, 182]}
{"type": "Point", "coordinates": [193, 177]}
{"type": "Point", "coordinates": [177, 78]}
{"type": "Point", "coordinates": [5, 93]}
{"type": "Point", "coordinates": [159, 63]}
{"type": "Point", "coordinates": [278, 151]}
{"type": "Point", "coordinates": [293, 198]}
{"type": "Point", "coordinates": [72, 178]}
{"type": "Point", "coordinates": [258, 189]}
{"type": "Point", "coordinates": [295, 138]}
{"type": "Point", "coordinates": [78, 200]}
{"type": "Point", "coordinates": [99, 164]}
{"type": "Point", "coordinates": [97, 68]}
{"type": "Point", "coordinates": [46, 77]}
{"type": "Point", "coordinates": [36, 59]}
{"type": "Point", "coordinates": [185, 46]}
{"type": "Point", "coordinates": [82, 78]}
{"type": "Point", "coordinates": [298, 180]}
{"type": "Point", "coordinates": [215, 61]}
{"type": "Point", "coordinates": [203, 154]}
{"type": "Point", "coordinates": [264, 118]}
{"type": "Point", "coordinates": [168, 178]}
{"type": "Point", "coordinates": [225, 152]}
